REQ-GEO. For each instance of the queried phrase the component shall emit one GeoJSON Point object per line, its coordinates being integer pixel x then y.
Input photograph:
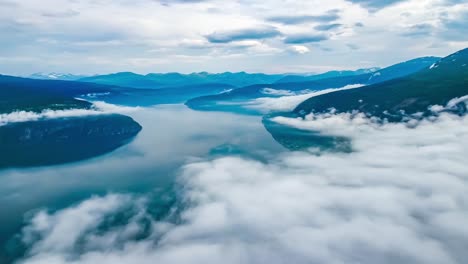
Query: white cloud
{"type": "Point", "coordinates": [60, 231]}
{"type": "Point", "coordinates": [277, 92]}
{"type": "Point", "coordinates": [299, 49]}
{"type": "Point", "coordinates": [98, 108]}
{"type": "Point", "coordinates": [47, 35]}
{"type": "Point", "coordinates": [399, 197]}
{"type": "Point", "coordinates": [290, 101]}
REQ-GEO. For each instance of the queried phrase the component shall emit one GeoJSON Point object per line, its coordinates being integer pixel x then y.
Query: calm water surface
{"type": "Point", "coordinates": [171, 137]}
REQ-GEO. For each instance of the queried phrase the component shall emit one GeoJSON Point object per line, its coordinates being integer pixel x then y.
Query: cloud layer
{"type": "Point", "coordinates": [399, 197]}
{"type": "Point", "coordinates": [98, 108]}
{"type": "Point", "coordinates": [290, 100]}
{"type": "Point", "coordinates": [197, 35]}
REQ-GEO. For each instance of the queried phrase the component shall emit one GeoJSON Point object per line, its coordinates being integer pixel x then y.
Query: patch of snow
{"type": "Point", "coordinates": [226, 91]}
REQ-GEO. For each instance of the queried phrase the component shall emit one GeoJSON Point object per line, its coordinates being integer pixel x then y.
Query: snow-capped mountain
{"type": "Point", "coordinates": [55, 76]}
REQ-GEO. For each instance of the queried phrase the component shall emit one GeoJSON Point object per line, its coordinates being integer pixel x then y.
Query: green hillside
{"type": "Point", "coordinates": [435, 85]}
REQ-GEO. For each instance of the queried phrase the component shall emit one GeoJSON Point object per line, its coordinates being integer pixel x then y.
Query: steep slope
{"type": "Point", "coordinates": [435, 85]}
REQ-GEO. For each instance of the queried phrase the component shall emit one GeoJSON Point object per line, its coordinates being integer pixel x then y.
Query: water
{"type": "Point", "coordinates": [171, 136]}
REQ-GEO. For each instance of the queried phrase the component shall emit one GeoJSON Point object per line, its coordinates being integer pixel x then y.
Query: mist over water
{"type": "Point", "coordinates": [208, 187]}
{"type": "Point", "coordinates": [171, 136]}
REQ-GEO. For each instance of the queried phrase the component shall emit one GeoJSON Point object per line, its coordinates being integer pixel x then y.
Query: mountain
{"type": "Point", "coordinates": [35, 95]}
{"type": "Point", "coordinates": [437, 84]}
{"type": "Point", "coordinates": [237, 79]}
{"type": "Point", "coordinates": [56, 76]}
{"type": "Point", "coordinates": [166, 80]}
{"type": "Point", "coordinates": [61, 140]}
{"type": "Point", "coordinates": [55, 140]}
{"type": "Point", "coordinates": [21, 94]}
{"type": "Point", "coordinates": [326, 75]}
{"type": "Point", "coordinates": [227, 101]}
{"type": "Point", "coordinates": [148, 97]}
{"type": "Point", "coordinates": [126, 79]}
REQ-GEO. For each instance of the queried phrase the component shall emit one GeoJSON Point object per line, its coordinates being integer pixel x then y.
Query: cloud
{"type": "Point", "coordinates": [352, 46]}
{"type": "Point", "coordinates": [374, 5]}
{"type": "Point", "coordinates": [299, 49]}
{"type": "Point", "coordinates": [330, 16]}
{"type": "Point", "coordinates": [98, 108]}
{"type": "Point", "coordinates": [169, 2]}
{"type": "Point", "coordinates": [327, 27]}
{"type": "Point", "coordinates": [276, 92]}
{"type": "Point", "coordinates": [243, 34]}
{"type": "Point", "coordinates": [400, 196]}
{"type": "Point", "coordinates": [148, 37]}
{"type": "Point", "coordinates": [454, 27]}
{"type": "Point", "coordinates": [304, 38]}
{"type": "Point", "coordinates": [7, 3]}
{"type": "Point", "coordinates": [419, 30]}
{"type": "Point", "coordinates": [67, 13]}
{"type": "Point", "coordinates": [359, 24]}
{"type": "Point", "coordinates": [61, 230]}
{"type": "Point", "coordinates": [290, 100]}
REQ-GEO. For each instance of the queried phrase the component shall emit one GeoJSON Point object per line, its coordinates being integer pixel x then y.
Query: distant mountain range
{"type": "Point", "coordinates": [56, 76]}
{"type": "Point", "coordinates": [329, 74]}
{"type": "Point", "coordinates": [395, 99]}
{"type": "Point", "coordinates": [166, 80]}
{"type": "Point", "coordinates": [217, 102]}
{"type": "Point", "coordinates": [23, 94]}
{"type": "Point", "coordinates": [414, 88]}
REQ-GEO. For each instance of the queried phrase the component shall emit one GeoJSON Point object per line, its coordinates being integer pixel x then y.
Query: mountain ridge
{"type": "Point", "coordinates": [215, 102]}
{"type": "Point", "coordinates": [437, 84]}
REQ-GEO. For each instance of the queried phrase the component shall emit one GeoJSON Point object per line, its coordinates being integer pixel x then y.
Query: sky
{"type": "Point", "coordinates": [272, 36]}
